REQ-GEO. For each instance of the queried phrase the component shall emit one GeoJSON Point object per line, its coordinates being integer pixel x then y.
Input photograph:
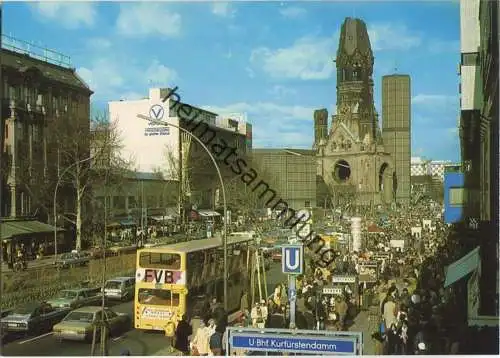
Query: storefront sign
{"type": "Point", "coordinates": [332, 291]}
{"type": "Point", "coordinates": [343, 279]}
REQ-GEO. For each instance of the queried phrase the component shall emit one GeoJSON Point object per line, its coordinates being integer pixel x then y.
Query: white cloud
{"type": "Point", "coordinates": [435, 101]}
{"type": "Point", "coordinates": [293, 123]}
{"type": "Point", "coordinates": [98, 44]}
{"type": "Point", "coordinates": [441, 46]}
{"type": "Point", "coordinates": [250, 72]}
{"type": "Point", "coordinates": [143, 19]}
{"type": "Point", "coordinates": [266, 109]}
{"type": "Point", "coordinates": [160, 75]}
{"type": "Point", "coordinates": [279, 91]}
{"type": "Point", "coordinates": [69, 14]}
{"type": "Point", "coordinates": [392, 37]}
{"type": "Point", "coordinates": [309, 58]}
{"type": "Point", "coordinates": [223, 9]}
{"type": "Point", "coordinates": [293, 12]}
{"type": "Point", "coordinates": [105, 77]}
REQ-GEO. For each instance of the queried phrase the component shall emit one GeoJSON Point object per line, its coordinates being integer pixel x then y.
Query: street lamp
{"type": "Point", "coordinates": [224, 234]}
{"type": "Point", "coordinates": [55, 199]}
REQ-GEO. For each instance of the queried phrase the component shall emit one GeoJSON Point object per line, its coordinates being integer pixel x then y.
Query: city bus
{"type": "Point", "coordinates": [181, 278]}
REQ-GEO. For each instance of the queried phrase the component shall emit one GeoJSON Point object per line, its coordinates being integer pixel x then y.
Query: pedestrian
{"type": "Point", "coordinates": [216, 345]}
{"type": "Point", "coordinates": [182, 332]}
{"type": "Point", "coordinates": [341, 307]}
{"type": "Point", "coordinates": [200, 343]}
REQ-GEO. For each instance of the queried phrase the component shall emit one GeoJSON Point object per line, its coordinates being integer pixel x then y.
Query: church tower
{"type": "Point", "coordinates": [352, 162]}
{"type": "Point", "coordinates": [354, 79]}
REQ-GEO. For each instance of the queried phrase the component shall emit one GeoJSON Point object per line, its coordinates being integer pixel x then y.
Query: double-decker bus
{"type": "Point", "coordinates": [180, 278]}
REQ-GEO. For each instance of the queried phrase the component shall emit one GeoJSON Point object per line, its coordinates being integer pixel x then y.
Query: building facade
{"type": "Point", "coordinates": [38, 96]}
{"type": "Point", "coordinates": [289, 172]}
{"type": "Point", "coordinates": [174, 153]}
{"type": "Point", "coordinates": [434, 168]}
{"type": "Point", "coordinates": [396, 130]}
{"type": "Point", "coordinates": [350, 155]}
{"type": "Point", "coordinates": [479, 147]}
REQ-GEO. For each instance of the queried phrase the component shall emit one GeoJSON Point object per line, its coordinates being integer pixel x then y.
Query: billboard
{"type": "Point", "coordinates": [454, 197]}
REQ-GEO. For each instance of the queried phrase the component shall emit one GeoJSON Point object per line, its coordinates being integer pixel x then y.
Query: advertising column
{"type": "Point", "coordinates": [356, 233]}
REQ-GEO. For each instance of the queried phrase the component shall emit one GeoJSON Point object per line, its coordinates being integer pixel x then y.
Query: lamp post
{"type": "Point", "coordinates": [203, 145]}
{"type": "Point", "coordinates": [55, 199]}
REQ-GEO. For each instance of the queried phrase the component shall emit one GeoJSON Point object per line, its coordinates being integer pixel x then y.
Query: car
{"type": "Point", "coordinates": [72, 259]}
{"type": "Point", "coordinates": [77, 297]}
{"type": "Point", "coordinates": [33, 318]}
{"type": "Point", "coordinates": [79, 324]}
{"type": "Point", "coordinates": [120, 288]}
{"type": "Point", "coordinates": [276, 256]}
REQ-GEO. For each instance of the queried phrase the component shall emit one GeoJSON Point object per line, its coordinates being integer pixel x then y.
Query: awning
{"type": "Point", "coordinates": [163, 218]}
{"type": "Point", "coordinates": [462, 267]}
{"type": "Point", "coordinates": [208, 213]}
{"type": "Point", "coordinates": [127, 222]}
{"type": "Point", "coordinates": [11, 229]}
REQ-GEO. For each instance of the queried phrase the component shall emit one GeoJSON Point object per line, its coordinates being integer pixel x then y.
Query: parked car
{"type": "Point", "coordinates": [72, 259]}
{"type": "Point", "coordinates": [120, 288]}
{"type": "Point", "coordinates": [76, 297]}
{"type": "Point", "coordinates": [79, 325]}
{"type": "Point", "coordinates": [33, 317]}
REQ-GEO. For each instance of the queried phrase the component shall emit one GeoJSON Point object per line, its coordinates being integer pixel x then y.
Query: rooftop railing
{"type": "Point", "coordinates": [35, 51]}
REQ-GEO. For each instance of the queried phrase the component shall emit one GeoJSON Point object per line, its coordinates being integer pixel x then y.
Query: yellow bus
{"type": "Point", "coordinates": [181, 278]}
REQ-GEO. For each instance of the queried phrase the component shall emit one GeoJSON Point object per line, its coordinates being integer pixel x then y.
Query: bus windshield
{"type": "Point", "coordinates": [156, 260]}
{"type": "Point", "coordinates": [158, 297]}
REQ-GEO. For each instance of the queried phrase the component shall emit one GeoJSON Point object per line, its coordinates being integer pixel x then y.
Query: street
{"type": "Point", "coordinates": [137, 342]}
{"type": "Point", "coordinates": [141, 342]}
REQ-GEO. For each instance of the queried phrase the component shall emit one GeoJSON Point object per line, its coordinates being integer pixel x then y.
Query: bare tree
{"type": "Point", "coordinates": [86, 157]}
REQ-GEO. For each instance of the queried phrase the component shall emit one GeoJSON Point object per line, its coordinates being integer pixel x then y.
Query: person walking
{"type": "Point", "coordinates": [200, 343]}
{"type": "Point", "coordinates": [341, 307]}
{"type": "Point", "coordinates": [182, 332]}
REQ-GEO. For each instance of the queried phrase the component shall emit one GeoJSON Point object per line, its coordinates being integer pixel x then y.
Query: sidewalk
{"type": "Point", "coordinates": [45, 261]}
{"type": "Point", "coordinates": [362, 323]}
{"type": "Point", "coordinates": [169, 351]}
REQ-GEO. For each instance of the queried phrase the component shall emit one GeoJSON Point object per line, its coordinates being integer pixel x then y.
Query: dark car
{"type": "Point", "coordinates": [72, 259]}
{"type": "Point", "coordinates": [33, 318]}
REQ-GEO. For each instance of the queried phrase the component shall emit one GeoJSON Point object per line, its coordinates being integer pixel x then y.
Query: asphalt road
{"type": "Point", "coordinates": [137, 342]}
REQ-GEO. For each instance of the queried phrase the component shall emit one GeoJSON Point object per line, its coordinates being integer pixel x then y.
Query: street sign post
{"type": "Point", "coordinates": [293, 265]}
{"type": "Point", "coordinates": [292, 257]}
{"type": "Point", "coordinates": [293, 341]}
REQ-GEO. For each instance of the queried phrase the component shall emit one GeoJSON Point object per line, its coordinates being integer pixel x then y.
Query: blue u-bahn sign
{"type": "Point", "coordinates": [294, 341]}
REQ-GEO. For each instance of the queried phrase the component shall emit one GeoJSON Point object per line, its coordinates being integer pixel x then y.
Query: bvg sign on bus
{"type": "Point", "coordinates": [161, 276]}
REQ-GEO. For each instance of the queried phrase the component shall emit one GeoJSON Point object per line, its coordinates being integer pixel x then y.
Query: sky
{"type": "Point", "coordinates": [270, 60]}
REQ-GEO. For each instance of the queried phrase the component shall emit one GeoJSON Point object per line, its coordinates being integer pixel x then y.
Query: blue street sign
{"type": "Point", "coordinates": [293, 344]}
{"type": "Point", "coordinates": [292, 257]}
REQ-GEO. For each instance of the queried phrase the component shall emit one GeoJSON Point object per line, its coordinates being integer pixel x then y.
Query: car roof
{"type": "Point", "coordinates": [123, 278]}
{"type": "Point", "coordinates": [89, 309]}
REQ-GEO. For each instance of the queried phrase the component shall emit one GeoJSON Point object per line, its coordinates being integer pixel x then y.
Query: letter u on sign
{"type": "Point", "coordinates": [292, 257]}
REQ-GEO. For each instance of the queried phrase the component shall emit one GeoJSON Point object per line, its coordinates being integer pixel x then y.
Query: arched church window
{"type": "Point", "coordinates": [348, 144]}
{"type": "Point", "coordinates": [334, 145]}
{"type": "Point", "coordinates": [355, 75]}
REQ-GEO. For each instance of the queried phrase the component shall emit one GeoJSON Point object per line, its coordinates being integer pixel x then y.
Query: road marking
{"type": "Point", "coordinates": [37, 337]}
{"type": "Point", "coordinates": [117, 338]}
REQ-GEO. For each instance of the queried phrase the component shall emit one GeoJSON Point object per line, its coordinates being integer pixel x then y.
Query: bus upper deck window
{"type": "Point", "coordinates": [159, 260]}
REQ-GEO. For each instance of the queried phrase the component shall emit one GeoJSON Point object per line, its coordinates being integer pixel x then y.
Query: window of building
{"type": "Point", "coordinates": [6, 131]}
{"type": "Point", "coordinates": [456, 196]}
{"type": "Point", "coordinates": [470, 59]}
{"type": "Point", "coordinates": [307, 204]}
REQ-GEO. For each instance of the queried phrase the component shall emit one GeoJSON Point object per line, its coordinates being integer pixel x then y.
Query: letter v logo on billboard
{"type": "Point", "coordinates": [292, 257]}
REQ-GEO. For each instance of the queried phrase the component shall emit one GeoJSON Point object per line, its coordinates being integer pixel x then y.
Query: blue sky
{"type": "Point", "coordinates": [272, 60]}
